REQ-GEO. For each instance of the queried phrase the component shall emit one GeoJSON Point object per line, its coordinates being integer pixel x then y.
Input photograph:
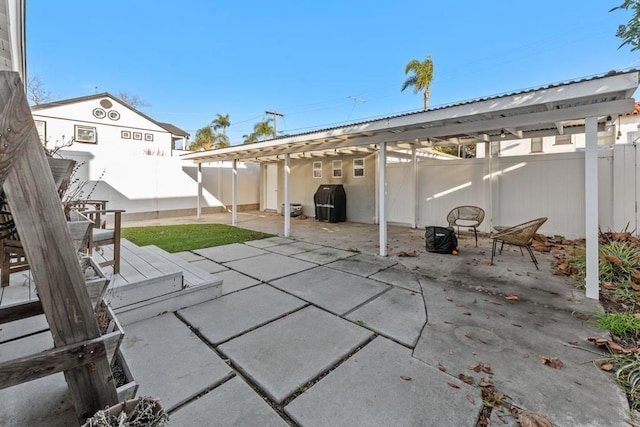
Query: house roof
{"type": "Point", "coordinates": [554, 109]}
{"type": "Point", "coordinates": [173, 130]}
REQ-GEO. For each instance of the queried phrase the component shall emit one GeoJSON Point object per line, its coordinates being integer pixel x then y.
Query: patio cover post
{"type": "Point", "coordinates": [591, 206]}
{"type": "Point", "coordinates": [234, 193]}
{"type": "Point", "coordinates": [382, 203]}
{"type": "Point", "coordinates": [414, 185]}
{"type": "Point", "coordinates": [286, 212]}
{"type": "Point", "coordinates": [199, 180]}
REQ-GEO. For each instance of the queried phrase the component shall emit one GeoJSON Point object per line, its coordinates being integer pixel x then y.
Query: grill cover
{"type": "Point", "coordinates": [331, 203]}
{"type": "Point", "coordinates": [440, 239]}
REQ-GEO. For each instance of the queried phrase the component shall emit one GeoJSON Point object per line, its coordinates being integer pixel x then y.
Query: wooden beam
{"type": "Point", "coordinates": [52, 361]}
{"type": "Point", "coordinates": [19, 311]}
{"type": "Point", "coordinates": [42, 226]}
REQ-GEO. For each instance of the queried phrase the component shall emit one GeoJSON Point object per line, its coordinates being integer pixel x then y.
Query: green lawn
{"type": "Point", "coordinates": [178, 238]}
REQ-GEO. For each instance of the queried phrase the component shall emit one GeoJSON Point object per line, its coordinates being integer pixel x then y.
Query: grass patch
{"type": "Point", "coordinates": [623, 325]}
{"type": "Point", "coordinates": [187, 237]}
{"type": "Point", "coordinates": [616, 261]}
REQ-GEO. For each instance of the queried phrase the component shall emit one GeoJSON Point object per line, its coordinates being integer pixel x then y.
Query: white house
{"type": "Point", "coordinates": [621, 129]}
{"type": "Point", "coordinates": [103, 123]}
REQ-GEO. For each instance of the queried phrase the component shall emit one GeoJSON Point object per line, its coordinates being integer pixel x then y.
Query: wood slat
{"type": "Point", "coordinates": [19, 311]}
{"type": "Point", "coordinates": [52, 361]}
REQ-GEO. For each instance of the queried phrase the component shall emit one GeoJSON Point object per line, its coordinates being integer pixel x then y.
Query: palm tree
{"type": "Point", "coordinates": [204, 139]}
{"type": "Point", "coordinates": [421, 78]}
{"type": "Point", "coordinates": [220, 140]}
{"type": "Point", "coordinates": [221, 122]}
{"type": "Point", "coordinates": [263, 129]}
{"type": "Point", "coordinates": [250, 139]}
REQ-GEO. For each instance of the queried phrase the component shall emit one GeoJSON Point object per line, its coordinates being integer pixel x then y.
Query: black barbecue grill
{"type": "Point", "coordinates": [331, 203]}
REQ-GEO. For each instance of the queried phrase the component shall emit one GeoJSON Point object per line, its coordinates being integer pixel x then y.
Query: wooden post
{"type": "Point", "coordinates": [40, 221]}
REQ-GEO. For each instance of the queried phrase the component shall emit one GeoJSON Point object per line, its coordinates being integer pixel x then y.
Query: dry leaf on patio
{"type": "Point", "coordinates": [608, 285]}
{"type": "Point", "coordinates": [512, 297]}
{"type": "Point", "coordinates": [471, 399]}
{"type": "Point", "coordinates": [407, 254]}
{"type": "Point", "coordinates": [605, 365]}
{"type": "Point", "coordinates": [554, 362]}
{"type": "Point", "coordinates": [632, 423]}
{"type": "Point", "coordinates": [453, 385]}
{"type": "Point", "coordinates": [484, 367]}
{"type": "Point", "coordinates": [466, 378]}
{"type": "Point", "coordinates": [442, 367]}
{"type": "Point", "coordinates": [531, 419]}
{"type": "Point", "coordinates": [448, 298]}
{"type": "Point", "coordinates": [405, 377]}
{"type": "Point", "coordinates": [612, 346]}
{"type": "Point", "coordinates": [486, 263]}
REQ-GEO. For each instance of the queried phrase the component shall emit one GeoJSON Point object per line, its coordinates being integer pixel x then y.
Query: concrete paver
{"type": "Point", "coordinates": [467, 327]}
{"type": "Point", "coordinates": [291, 351]}
{"type": "Point", "coordinates": [188, 256]}
{"type": "Point", "coordinates": [233, 281]}
{"type": "Point", "coordinates": [286, 249]}
{"type": "Point", "coordinates": [231, 404]}
{"type": "Point", "coordinates": [227, 316]}
{"type": "Point", "coordinates": [363, 264]}
{"type": "Point", "coordinates": [382, 385]}
{"type": "Point", "coordinates": [398, 314]}
{"type": "Point", "coordinates": [399, 275]}
{"type": "Point", "coordinates": [228, 253]}
{"type": "Point", "coordinates": [333, 290]}
{"type": "Point", "coordinates": [306, 246]}
{"type": "Point", "coordinates": [324, 255]}
{"type": "Point", "coordinates": [209, 266]}
{"type": "Point", "coordinates": [269, 242]}
{"type": "Point", "coordinates": [169, 361]}
{"type": "Point", "coordinates": [269, 267]}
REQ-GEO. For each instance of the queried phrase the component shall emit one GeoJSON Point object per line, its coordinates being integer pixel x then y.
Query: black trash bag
{"type": "Point", "coordinates": [441, 240]}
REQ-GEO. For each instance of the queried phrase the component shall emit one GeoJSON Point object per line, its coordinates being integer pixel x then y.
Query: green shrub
{"type": "Point", "coordinates": [623, 325]}
{"type": "Point", "coordinates": [616, 262]}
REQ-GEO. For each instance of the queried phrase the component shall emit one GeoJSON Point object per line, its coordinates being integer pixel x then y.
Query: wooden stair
{"type": "Point", "coordinates": [152, 281]}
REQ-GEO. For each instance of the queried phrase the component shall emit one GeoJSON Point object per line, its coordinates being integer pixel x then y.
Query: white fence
{"type": "Point", "coordinates": [162, 185]}
{"type": "Point", "coordinates": [515, 189]}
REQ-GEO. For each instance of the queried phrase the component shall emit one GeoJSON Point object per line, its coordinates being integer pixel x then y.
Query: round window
{"type": "Point", "coordinates": [99, 113]}
{"type": "Point", "coordinates": [105, 103]}
{"type": "Point", "coordinates": [113, 115]}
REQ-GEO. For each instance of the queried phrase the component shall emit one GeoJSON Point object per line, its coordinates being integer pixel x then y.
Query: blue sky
{"type": "Point", "coordinates": [321, 63]}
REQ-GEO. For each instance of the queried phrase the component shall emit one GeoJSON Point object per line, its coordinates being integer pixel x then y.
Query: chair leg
{"type": "Point", "coordinates": [501, 247]}
{"type": "Point", "coordinates": [533, 258]}
{"type": "Point", "coordinates": [475, 232]}
{"type": "Point", "coordinates": [493, 250]}
{"type": "Point", "coordinates": [5, 272]}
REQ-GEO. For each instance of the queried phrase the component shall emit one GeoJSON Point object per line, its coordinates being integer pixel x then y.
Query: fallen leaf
{"type": "Point", "coordinates": [573, 343]}
{"type": "Point", "coordinates": [635, 286]}
{"type": "Point", "coordinates": [471, 399]}
{"type": "Point", "coordinates": [486, 263]}
{"type": "Point", "coordinates": [466, 378]}
{"type": "Point", "coordinates": [554, 362]}
{"type": "Point", "coordinates": [453, 385]}
{"type": "Point", "coordinates": [632, 423]}
{"type": "Point", "coordinates": [608, 285]}
{"type": "Point", "coordinates": [468, 336]}
{"type": "Point", "coordinates": [406, 378]}
{"type": "Point", "coordinates": [467, 314]}
{"type": "Point", "coordinates": [459, 305]}
{"type": "Point", "coordinates": [485, 383]}
{"type": "Point", "coordinates": [442, 367]}
{"type": "Point", "coordinates": [531, 419]}
{"type": "Point", "coordinates": [483, 342]}
{"type": "Point", "coordinates": [605, 366]}
{"type": "Point", "coordinates": [612, 346]}
{"type": "Point", "coordinates": [525, 356]}
{"type": "Point", "coordinates": [407, 254]}
{"type": "Point", "coordinates": [484, 367]}
{"type": "Point", "coordinates": [512, 297]}
{"type": "Point", "coordinates": [448, 298]}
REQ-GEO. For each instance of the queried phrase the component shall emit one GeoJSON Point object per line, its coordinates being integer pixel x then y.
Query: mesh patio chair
{"type": "Point", "coordinates": [466, 216]}
{"type": "Point", "coordinates": [519, 235]}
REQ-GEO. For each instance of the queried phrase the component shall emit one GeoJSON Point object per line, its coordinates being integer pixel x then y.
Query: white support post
{"type": "Point", "coordinates": [199, 180]}
{"type": "Point", "coordinates": [234, 194]}
{"type": "Point", "coordinates": [488, 171]}
{"type": "Point", "coordinates": [287, 212]}
{"type": "Point", "coordinates": [382, 201]}
{"type": "Point", "coordinates": [591, 206]}
{"type": "Point", "coordinates": [414, 184]}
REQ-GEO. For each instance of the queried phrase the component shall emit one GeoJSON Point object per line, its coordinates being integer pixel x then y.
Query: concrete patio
{"type": "Point", "coordinates": [317, 330]}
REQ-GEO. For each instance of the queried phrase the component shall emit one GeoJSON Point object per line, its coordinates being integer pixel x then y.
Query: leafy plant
{"type": "Point", "coordinates": [617, 261]}
{"type": "Point", "coordinates": [628, 376]}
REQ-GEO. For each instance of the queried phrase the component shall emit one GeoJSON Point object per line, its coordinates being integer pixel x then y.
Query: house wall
{"type": "Point", "coordinates": [158, 186]}
{"type": "Point", "coordinates": [360, 190]}
{"type": "Point", "coordinates": [60, 127]}
{"type": "Point", "coordinates": [512, 190]}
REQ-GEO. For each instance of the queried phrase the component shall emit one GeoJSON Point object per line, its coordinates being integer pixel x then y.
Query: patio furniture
{"type": "Point", "coordinates": [101, 236]}
{"type": "Point", "coordinates": [466, 216]}
{"type": "Point", "coordinates": [519, 235]}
